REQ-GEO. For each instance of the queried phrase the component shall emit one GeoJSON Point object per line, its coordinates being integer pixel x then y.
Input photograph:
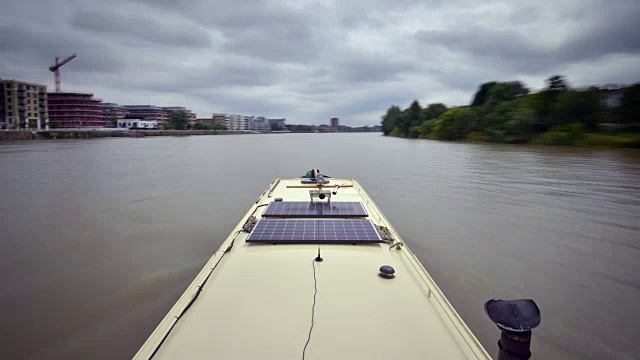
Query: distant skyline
{"type": "Point", "coordinates": [309, 61]}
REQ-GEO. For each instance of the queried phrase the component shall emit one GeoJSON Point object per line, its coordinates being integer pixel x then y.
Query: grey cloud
{"type": "Point", "coordinates": [14, 37]}
{"type": "Point", "coordinates": [241, 73]}
{"type": "Point", "coordinates": [308, 60]}
{"type": "Point", "coordinates": [287, 46]}
{"type": "Point", "coordinates": [372, 67]}
{"type": "Point", "coordinates": [479, 41]}
{"type": "Point", "coordinates": [35, 48]}
{"type": "Point", "coordinates": [357, 16]}
{"type": "Point", "coordinates": [220, 76]}
{"type": "Point", "coordinates": [462, 77]}
{"type": "Point", "coordinates": [138, 26]}
{"type": "Point", "coordinates": [379, 102]}
{"type": "Point", "coordinates": [616, 35]}
{"type": "Point", "coordinates": [223, 101]}
{"type": "Point", "coordinates": [531, 52]}
{"type": "Point", "coordinates": [269, 30]}
{"type": "Point", "coordinates": [288, 39]}
{"type": "Point", "coordinates": [232, 14]}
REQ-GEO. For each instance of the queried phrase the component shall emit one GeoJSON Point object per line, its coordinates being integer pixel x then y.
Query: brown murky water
{"type": "Point", "coordinates": [98, 238]}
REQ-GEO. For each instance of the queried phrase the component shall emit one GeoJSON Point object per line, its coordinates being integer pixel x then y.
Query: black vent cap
{"type": "Point", "coordinates": [513, 315]}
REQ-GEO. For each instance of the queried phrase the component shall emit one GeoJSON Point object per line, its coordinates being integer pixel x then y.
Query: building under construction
{"type": "Point", "coordinates": [75, 110]}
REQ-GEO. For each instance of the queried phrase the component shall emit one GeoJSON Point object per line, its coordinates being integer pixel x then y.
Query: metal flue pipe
{"type": "Point", "coordinates": [515, 319]}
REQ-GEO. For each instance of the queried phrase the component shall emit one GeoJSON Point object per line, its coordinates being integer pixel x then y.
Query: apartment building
{"type": "Point", "coordinates": [146, 112]}
{"type": "Point", "coordinates": [277, 123]}
{"type": "Point", "coordinates": [237, 122]}
{"type": "Point", "coordinates": [241, 122]}
{"type": "Point", "coordinates": [219, 119]}
{"type": "Point", "coordinates": [211, 121]}
{"type": "Point", "coordinates": [23, 105]}
{"type": "Point", "coordinates": [259, 123]}
{"type": "Point", "coordinates": [155, 113]}
{"type": "Point", "coordinates": [113, 110]}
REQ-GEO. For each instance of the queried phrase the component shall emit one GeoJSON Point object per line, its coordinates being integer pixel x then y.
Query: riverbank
{"type": "Point", "coordinates": [12, 135]}
{"type": "Point", "coordinates": [455, 125]}
{"type": "Point", "coordinates": [588, 140]}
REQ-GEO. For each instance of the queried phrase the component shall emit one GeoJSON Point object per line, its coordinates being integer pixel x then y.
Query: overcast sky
{"type": "Point", "coordinates": [309, 61]}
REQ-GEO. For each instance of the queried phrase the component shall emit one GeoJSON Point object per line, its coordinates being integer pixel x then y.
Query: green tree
{"type": "Point", "coordinates": [113, 121]}
{"type": "Point", "coordinates": [518, 89]}
{"type": "Point", "coordinates": [512, 122]}
{"type": "Point", "coordinates": [396, 132]}
{"type": "Point", "coordinates": [414, 113]}
{"type": "Point", "coordinates": [414, 132]}
{"type": "Point", "coordinates": [630, 104]}
{"type": "Point", "coordinates": [482, 95]}
{"type": "Point", "coordinates": [179, 119]}
{"type": "Point", "coordinates": [453, 125]}
{"type": "Point", "coordinates": [413, 119]}
{"type": "Point", "coordinates": [557, 83]}
{"type": "Point", "coordinates": [543, 105]}
{"type": "Point", "coordinates": [403, 122]}
{"type": "Point", "coordinates": [499, 92]}
{"type": "Point", "coordinates": [564, 135]}
{"type": "Point", "coordinates": [426, 128]}
{"type": "Point", "coordinates": [433, 111]}
{"type": "Point", "coordinates": [166, 125]}
{"type": "Point", "coordinates": [506, 91]}
{"type": "Point", "coordinates": [302, 128]}
{"type": "Point", "coordinates": [390, 119]}
{"type": "Point", "coordinates": [219, 127]}
{"type": "Point", "coordinates": [201, 126]}
{"type": "Point", "coordinates": [579, 107]}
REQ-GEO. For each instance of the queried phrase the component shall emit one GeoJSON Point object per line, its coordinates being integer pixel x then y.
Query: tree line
{"type": "Point", "coordinates": [507, 112]}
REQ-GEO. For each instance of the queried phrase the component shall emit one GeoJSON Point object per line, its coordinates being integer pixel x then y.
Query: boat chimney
{"type": "Point", "coordinates": [515, 319]}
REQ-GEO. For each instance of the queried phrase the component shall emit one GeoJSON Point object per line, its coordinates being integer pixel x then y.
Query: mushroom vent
{"type": "Point", "coordinates": [513, 315]}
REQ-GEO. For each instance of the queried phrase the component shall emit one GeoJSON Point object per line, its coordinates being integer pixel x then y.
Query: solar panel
{"type": "Point", "coordinates": [315, 231]}
{"type": "Point", "coordinates": [317, 209]}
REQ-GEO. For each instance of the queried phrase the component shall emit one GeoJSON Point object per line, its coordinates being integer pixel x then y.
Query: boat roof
{"type": "Point", "coordinates": [255, 300]}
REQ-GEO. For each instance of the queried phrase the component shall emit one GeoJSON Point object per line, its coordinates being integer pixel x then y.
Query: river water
{"type": "Point", "coordinates": [98, 238]}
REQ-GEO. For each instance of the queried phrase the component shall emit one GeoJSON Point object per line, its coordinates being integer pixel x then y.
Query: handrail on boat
{"type": "Point", "coordinates": [359, 187]}
{"type": "Point", "coordinates": [273, 187]}
{"type": "Point", "coordinates": [269, 189]}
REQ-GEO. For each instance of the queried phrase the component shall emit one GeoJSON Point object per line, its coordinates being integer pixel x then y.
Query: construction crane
{"type": "Point", "coordinates": [56, 69]}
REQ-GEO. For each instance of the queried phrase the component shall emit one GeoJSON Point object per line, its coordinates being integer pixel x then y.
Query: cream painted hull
{"type": "Point", "coordinates": [255, 301]}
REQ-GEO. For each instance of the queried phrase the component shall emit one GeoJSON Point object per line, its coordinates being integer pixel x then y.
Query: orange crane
{"type": "Point", "coordinates": [56, 69]}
